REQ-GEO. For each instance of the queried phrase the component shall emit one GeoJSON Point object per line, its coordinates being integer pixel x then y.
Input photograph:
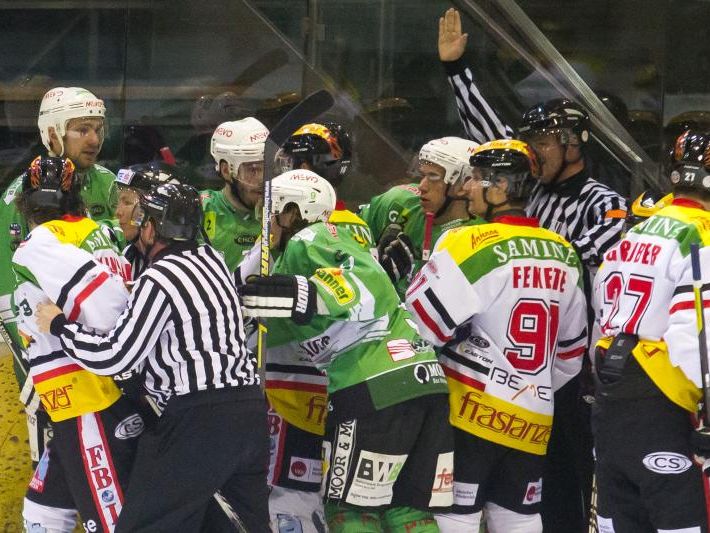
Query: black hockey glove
{"type": "Point", "coordinates": [396, 253]}
{"type": "Point", "coordinates": [279, 296]}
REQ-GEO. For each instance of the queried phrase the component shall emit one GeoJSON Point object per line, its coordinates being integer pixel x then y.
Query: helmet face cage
{"type": "Point", "coordinates": [62, 104]}
{"type": "Point", "coordinates": [176, 209]}
{"type": "Point", "coordinates": [325, 148]}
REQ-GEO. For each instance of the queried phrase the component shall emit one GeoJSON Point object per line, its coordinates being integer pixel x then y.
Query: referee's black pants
{"type": "Point", "coordinates": [204, 442]}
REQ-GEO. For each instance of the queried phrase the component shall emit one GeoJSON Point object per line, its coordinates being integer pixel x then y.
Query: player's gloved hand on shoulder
{"type": "Point", "coordinates": [700, 444]}
{"type": "Point", "coordinates": [279, 295]}
{"type": "Point", "coordinates": [396, 253]}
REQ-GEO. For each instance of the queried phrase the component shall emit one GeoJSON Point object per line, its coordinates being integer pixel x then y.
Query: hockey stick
{"type": "Point", "coordinates": [702, 349]}
{"type": "Point", "coordinates": [306, 111]}
{"type": "Point", "coordinates": [700, 320]}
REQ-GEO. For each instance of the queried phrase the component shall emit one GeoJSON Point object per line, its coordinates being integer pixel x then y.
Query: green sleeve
{"type": "Point", "coordinates": [396, 205]}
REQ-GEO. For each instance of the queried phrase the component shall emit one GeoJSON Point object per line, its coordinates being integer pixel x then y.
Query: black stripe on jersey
{"type": "Point", "coordinates": [46, 358]}
{"type": "Point", "coordinates": [443, 313]}
{"type": "Point", "coordinates": [469, 363]}
{"type": "Point", "coordinates": [69, 285]}
{"type": "Point", "coordinates": [570, 342]}
{"type": "Point", "coordinates": [293, 369]}
{"type": "Point", "coordinates": [680, 289]}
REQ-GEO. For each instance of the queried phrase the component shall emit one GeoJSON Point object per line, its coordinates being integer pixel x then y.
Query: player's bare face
{"type": "Point", "coordinates": [431, 186]}
{"type": "Point", "coordinates": [473, 188]}
{"type": "Point", "coordinates": [250, 183]}
{"type": "Point", "coordinates": [83, 140]}
{"type": "Point", "coordinates": [127, 200]}
{"type": "Point", "coordinates": [550, 154]}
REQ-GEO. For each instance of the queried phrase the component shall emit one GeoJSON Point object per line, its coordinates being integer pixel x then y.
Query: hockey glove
{"type": "Point", "coordinates": [279, 296]}
{"type": "Point", "coordinates": [396, 253]}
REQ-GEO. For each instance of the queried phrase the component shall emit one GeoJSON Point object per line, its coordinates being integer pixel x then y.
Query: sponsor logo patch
{"type": "Point", "coordinates": [333, 281]}
{"type": "Point", "coordinates": [442, 492]}
{"type": "Point", "coordinates": [400, 349]}
{"type": "Point", "coordinates": [37, 481]}
{"type": "Point", "coordinates": [306, 470]}
{"type": "Point", "coordinates": [533, 494]}
{"type": "Point", "coordinates": [465, 493]}
{"type": "Point", "coordinates": [429, 373]}
{"type": "Point", "coordinates": [340, 458]}
{"type": "Point", "coordinates": [129, 427]}
{"type": "Point", "coordinates": [375, 476]}
{"type": "Point", "coordinates": [667, 462]}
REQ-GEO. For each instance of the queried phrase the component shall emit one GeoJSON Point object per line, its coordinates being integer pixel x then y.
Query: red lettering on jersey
{"type": "Point", "coordinates": [535, 277]}
{"type": "Point", "coordinates": [636, 252]}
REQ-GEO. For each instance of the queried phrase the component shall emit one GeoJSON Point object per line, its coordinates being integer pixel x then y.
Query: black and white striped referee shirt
{"type": "Point", "coordinates": [587, 213]}
{"type": "Point", "coordinates": [481, 122]}
{"type": "Point", "coordinates": [183, 321]}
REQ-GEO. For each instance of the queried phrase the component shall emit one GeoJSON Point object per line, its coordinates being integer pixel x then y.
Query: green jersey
{"type": "Point", "coordinates": [98, 190]}
{"type": "Point", "coordinates": [231, 231]}
{"type": "Point", "coordinates": [361, 337]}
{"type": "Point", "coordinates": [400, 205]}
{"type": "Point", "coordinates": [393, 206]}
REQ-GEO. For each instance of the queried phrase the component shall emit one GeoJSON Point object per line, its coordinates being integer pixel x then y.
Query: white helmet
{"type": "Point", "coordinates": [451, 153]}
{"type": "Point", "coordinates": [60, 105]}
{"type": "Point", "coordinates": [237, 142]}
{"type": "Point", "coordinates": [313, 195]}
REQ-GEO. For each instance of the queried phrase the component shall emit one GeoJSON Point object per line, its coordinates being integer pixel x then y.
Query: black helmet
{"type": "Point", "coordinates": [176, 209]}
{"type": "Point", "coordinates": [324, 146]}
{"type": "Point", "coordinates": [49, 180]}
{"type": "Point", "coordinates": [508, 159]}
{"type": "Point", "coordinates": [144, 176]}
{"type": "Point", "coordinates": [556, 116]}
{"type": "Point", "coordinates": [691, 161]}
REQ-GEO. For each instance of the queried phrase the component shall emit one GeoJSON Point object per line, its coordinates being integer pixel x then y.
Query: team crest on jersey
{"type": "Point", "coordinates": [333, 281]}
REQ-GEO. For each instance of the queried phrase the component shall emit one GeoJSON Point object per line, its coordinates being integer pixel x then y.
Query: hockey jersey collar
{"type": "Point", "coordinates": [518, 221]}
{"type": "Point", "coordinates": [687, 202]}
{"type": "Point", "coordinates": [572, 186]}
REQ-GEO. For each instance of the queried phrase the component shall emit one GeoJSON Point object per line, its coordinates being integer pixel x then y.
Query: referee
{"type": "Point", "coordinates": [568, 200]}
{"type": "Point", "coordinates": [183, 322]}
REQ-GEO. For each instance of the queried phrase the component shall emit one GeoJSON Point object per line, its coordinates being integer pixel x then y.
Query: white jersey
{"type": "Point", "coordinates": [644, 288]}
{"type": "Point", "coordinates": [505, 302]}
{"type": "Point", "coordinates": [72, 263]}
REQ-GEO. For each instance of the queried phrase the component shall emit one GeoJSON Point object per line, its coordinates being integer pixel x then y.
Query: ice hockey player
{"type": "Point", "coordinates": [233, 214]}
{"type": "Point", "coordinates": [297, 391]}
{"type": "Point", "coordinates": [443, 166]}
{"type": "Point", "coordinates": [68, 258]}
{"type": "Point", "coordinates": [387, 445]}
{"type": "Point", "coordinates": [71, 124]}
{"type": "Point", "coordinates": [647, 363]}
{"type": "Point", "coordinates": [504, 302]}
